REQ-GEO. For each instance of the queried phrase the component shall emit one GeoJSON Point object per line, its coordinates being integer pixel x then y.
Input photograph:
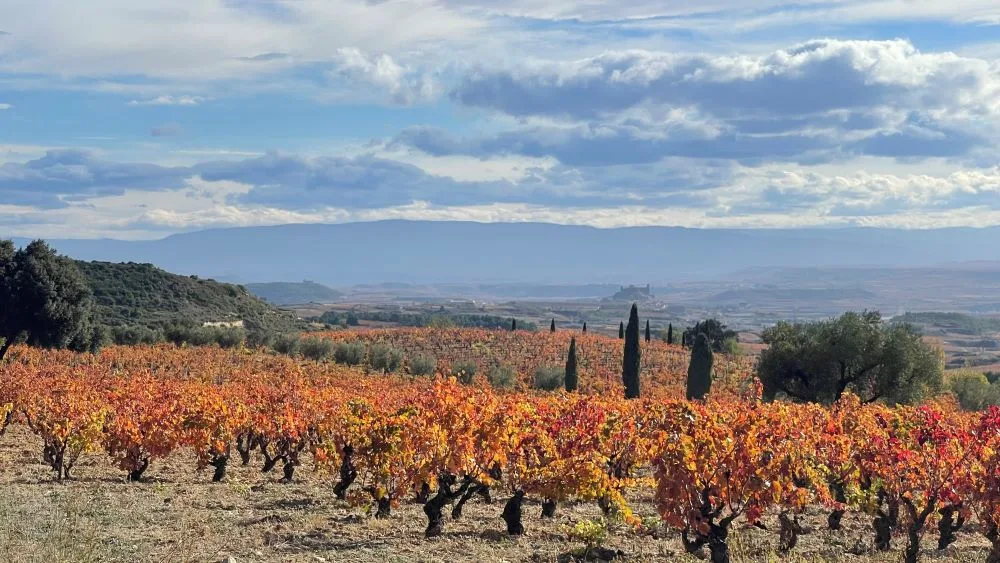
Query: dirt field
{"type": "Point", "coordinates": [179, 515]}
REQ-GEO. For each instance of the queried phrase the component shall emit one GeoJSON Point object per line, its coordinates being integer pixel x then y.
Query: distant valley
{"type": "Point", "coordinates": [449, 252]}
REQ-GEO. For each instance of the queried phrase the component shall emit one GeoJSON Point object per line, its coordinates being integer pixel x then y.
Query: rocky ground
{"type": "Point", "coordinates": [177, 514]}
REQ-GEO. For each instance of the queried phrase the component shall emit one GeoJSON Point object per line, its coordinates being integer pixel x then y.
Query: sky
{"type": "Point", "coordinates": [136, 120]}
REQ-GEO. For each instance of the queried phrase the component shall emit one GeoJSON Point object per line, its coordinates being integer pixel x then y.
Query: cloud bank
{"type": "Point", "coordinates": [140, 119]}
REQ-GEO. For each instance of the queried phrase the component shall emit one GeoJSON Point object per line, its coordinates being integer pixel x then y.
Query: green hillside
{"type": "Point", "coordinates": [142, 295]}
{"type": "Point", "coordinates": [290, 293]}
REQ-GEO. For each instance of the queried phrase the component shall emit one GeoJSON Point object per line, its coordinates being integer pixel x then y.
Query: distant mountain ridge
{"type": "Point", "coordinates": [492, 253]}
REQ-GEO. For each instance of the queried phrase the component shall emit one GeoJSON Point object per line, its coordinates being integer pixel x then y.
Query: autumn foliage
{"type": "Point", "coordinates": [663, 367]}
{"type": "Point", "coordinates": [383, 440]}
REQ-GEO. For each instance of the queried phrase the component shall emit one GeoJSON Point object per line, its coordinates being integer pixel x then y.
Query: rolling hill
{"type": "Point", "coordinates": [142, 295]}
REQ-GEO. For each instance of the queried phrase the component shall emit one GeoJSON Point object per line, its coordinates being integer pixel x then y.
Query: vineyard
{"type": "Point", "coordinates": [663, 371]}
{"type": "Point", "coordinates": [461, 464]}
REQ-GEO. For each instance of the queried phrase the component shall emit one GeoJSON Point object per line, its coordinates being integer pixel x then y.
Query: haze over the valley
{"type": "Point", "coordinates": [505, 253]}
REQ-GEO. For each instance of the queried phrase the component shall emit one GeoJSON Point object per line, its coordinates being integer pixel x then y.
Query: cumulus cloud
{"type": "Point", "coordinates": [366, 181]}
{"type": "Point", "coordinates": [815, 77]}
{"type": "Point", "coordinates": [369, 182]}
{"type": "Point", "coordinates": [824, 99]}
{"type": "Point", "coordinates": [76, 190]}
{"type": "Point", "coordinates": [383, 73]}
{"type": "Point", "coordinates": [169, 101]}
{"type": "Point", "coordinates": [859, 193]}
{"type": "Point", "coordinates": [71, 175]}
{"type": "Point", "coordinates": [5, 107]}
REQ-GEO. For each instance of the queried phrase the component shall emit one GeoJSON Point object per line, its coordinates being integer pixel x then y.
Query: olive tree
{"type": "Point", "coordinates": [856, 352]}
{"type": "Point", "coordinates": [44, 300]}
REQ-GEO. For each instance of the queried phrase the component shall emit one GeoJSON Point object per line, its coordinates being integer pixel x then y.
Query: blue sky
{"type": "Point", "coordinates": [140, 119]}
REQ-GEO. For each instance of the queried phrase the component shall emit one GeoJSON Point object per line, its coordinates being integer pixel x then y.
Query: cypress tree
{"type": "Point", "coordinates": [621, 330]}
{"type": "Point", "coordinates": [571, 378]}
{"type": "Point", "coordinates": [670, 333]}
{"type": "Point", "coordinates": [684, 339]}
{"type": "Point", "coordinates": [513, 324]}
{"type": "Point", "coordinates": [631, 359]}
{"type": "Point", "coordinates": [647, 330]}
{"type": "Point", "coordinates": [585, 327]}
{"type": "Point", "coordinates": [699, 381]}
{"type": "Point", "coordinates": [552, 327]}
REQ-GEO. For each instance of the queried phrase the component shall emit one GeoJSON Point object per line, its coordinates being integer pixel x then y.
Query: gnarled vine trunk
{"type": "Point", "coordinates": [484, 491]}
{"type": "Point", "coordinates": [135, 475]}
{"type": "Point", "coordinates": [915, 524]}
{"type": "Point", "coordinates": [219, 462]}
{"type": "Point", "coordinates": [885, 521]}
{"type": "Point", "coordinates": [434, 507]}
{"type": "Point", "coordinates": [718, 533]}
{"type": "Point", "coordinates": [347, 473]}
{"type": "Point", "coordinates": [512, 514]}
{"type": "Point", "coordinates": [949, 525]}
{"type": "Point", "coordinates": [55, 456]}
{"type": "Point", "coordinates": [472, 491]}
{"type": "Point", "coordinates": [788, 536]}
{"type": "Point", "coordinates": [993, 534]}
{"type": "Point", "coordinates": [839, 495]}
{"type": "Point", "coordinates": [548, 508]}
{"type": "Point", "coordinates": [383, 508]}
{"type": "Point", "coordinates": [270, 461]}
{"type": "Point", "coordinates": [287, 471]}
{"type": "Point", "coordinates": [423, 494]}
{"type": "Point", "coordinates": [291, 462]}
{"type": "Point", "coordinates": [245, 443]}
{"type": "Point", "coordinates": [5, 421]}
{"type": "Point", "coordinates": [718, 549]}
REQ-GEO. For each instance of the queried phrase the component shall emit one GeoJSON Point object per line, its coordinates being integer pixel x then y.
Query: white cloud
{"type": "Point", "coordinates": [384, 74]}
{"type": "Point", "coordinates": [131, 223]}
{"type": "Point", "coordinates": [611, 129]}
{"type": "Point", "coordinates": [849, 195]}
{"type": "Point", "coordinates": [819, 100]}
{"type": "Point", "coordinates": [170, 101]}
{"type": "Point", "coordinates": [102, 197]}
{"type": "Point", "coordinates": [816, 76]}
{"type": "Point", "coordinates": [210, 39]}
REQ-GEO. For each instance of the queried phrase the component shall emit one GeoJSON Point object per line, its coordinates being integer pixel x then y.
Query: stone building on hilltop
{"type": "Point", "coordinates": [633, 293]}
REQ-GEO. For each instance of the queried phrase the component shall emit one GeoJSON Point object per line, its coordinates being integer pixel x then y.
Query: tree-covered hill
{"type": "Point", "coordinates": [290, 293]}
{"type": "Point", "coordinates": [142, 295]}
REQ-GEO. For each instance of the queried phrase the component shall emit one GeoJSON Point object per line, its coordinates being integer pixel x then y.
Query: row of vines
{"type": "Point", "coordinates": [663, 368]}
{"type": "Point", "coordinates": [387, 439]}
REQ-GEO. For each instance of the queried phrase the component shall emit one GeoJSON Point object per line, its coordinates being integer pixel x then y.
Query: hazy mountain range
{"type": "Point", "coordinates": [464, 252]}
